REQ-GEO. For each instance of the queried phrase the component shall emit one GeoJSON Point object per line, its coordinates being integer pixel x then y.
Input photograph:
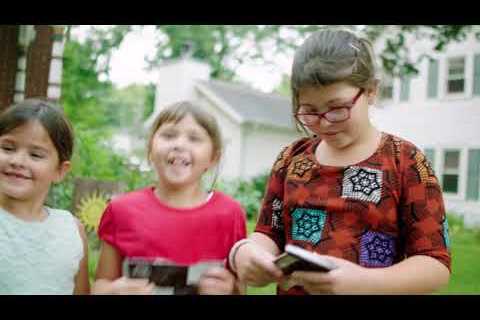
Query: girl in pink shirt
{"type": "Point", "coordinates": [176, 219]}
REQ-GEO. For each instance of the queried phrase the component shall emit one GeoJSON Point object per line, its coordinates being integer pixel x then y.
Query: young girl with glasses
{"type": "Point", "coordinates": [366, 200]}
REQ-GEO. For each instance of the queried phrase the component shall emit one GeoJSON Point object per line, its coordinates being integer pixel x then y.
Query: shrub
{"type": "Point", "coordinates": [248, 192]}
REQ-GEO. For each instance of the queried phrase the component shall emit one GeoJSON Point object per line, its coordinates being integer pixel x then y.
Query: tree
{"type": "Point", "coordinates": [97, 110]}
{"type": "Point", "coordinates": [395, 56]}
{"type": "Point", "coordinates": [81, 88]}
{"type": "Point", "coordinates": [223, 47]}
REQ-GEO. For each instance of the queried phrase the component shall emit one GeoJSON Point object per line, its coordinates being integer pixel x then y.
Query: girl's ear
{"type": "Point", "coordinates": [372, 92]}
{"type": "Point", "coordinates": [63, 168]}
{"type": "Point", "coordinates": [214, 161]}
{"type": "Point", "coordinates": [216, 158]}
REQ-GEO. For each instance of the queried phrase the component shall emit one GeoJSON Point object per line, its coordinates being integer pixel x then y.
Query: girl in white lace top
{"type": "Point", "coordinates": [43, 250]}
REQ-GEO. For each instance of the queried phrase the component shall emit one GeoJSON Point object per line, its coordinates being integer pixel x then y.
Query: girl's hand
{"type": "Point", "coordinates": [216, 280]}
{"type": "Point", "coordinates": [348, 278]}
{"type": "Point", "coordinates": [124, 285]}
{"type": "Point", "coordinates": [255, 266]}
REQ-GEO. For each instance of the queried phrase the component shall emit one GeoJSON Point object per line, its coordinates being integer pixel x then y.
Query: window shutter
{"type": "Point", "coordinates": [473, 183]}
{"type": "Point", "coordinates": [433, 79]}
{"type": "Point", "coordinates": [405, 88]}
{"type": "Point", "coordinates": [476, 75]}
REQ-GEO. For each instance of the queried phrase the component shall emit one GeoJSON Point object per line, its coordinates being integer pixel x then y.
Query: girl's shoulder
{"type": "Point", "coordinates": [60, 215]}
{"type": "Point", "coordinates": [132, 196]}
{"type": "Point", "coordinates": [221, 198]}
{"type": "Point", "coordinates": [401, 146]}
{"type": "Point", "coordinates": [300, 145]}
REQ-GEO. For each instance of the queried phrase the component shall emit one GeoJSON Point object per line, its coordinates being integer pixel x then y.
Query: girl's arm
{"type": "Point", "coordinates": [109, 278]}
{"type": "Point", "coordinates": [82, 285]}
{"type": "Point", "coordinates": [109, 268]}
{"type": "Point", "coordinates": [414, 275]}
{"type": "Point", "coordinates": [253, 261]}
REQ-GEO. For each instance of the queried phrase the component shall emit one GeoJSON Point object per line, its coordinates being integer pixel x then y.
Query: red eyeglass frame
{"type": "Point", "coordinates": [347, 106]}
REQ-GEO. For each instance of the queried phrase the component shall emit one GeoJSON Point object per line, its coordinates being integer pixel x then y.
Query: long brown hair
{"type": "Point", "coordinates": [333, 55]}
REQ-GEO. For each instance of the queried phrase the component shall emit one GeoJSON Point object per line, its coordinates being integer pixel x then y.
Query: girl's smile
{"type": "Point", "coordinates": [181, 152]}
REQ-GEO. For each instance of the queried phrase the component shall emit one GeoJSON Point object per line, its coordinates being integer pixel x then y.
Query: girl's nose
{"type": "Point", "coordinates": [179, 145]}
{"type": "Point", "coordinates": [17, 159]}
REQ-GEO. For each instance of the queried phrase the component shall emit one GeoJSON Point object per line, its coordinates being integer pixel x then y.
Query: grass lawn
{"type": "Point", "coordinates": [465, 278]}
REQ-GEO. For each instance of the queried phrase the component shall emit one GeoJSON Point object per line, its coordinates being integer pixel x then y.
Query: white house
{"type": "Point", "coordinates": [255, 125]}
{"type": "Point", "coordinates": [439, 110]}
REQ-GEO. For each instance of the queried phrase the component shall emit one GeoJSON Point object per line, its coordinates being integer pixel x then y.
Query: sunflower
{"type": "Point", "coordinates": [90, 210]}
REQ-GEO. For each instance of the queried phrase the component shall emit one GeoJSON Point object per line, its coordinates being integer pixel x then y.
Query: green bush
{"type": "Point", "coordinates": [92, 158]}
{"type": "Point", "coordinates": [248, 192]}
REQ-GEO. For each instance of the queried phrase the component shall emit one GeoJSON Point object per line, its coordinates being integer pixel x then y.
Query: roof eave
{"type": "Point", "coordinates": [229, 110]}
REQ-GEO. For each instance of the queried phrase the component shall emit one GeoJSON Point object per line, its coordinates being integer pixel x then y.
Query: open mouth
{"type": "Point", "coordinates": [178, 161]}
{"type": "Point", "coordinates": [16, 175]}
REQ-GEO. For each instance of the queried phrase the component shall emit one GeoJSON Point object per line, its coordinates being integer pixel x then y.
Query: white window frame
{"type": "Point", "coordinates": [459, 171]}
{"type": "Point", "coordinates": [461, 76]}
{"type": "Point", "coordinates": [468, 76]}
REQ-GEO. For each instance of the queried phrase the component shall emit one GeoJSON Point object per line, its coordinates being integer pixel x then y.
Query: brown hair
{"type": "Point", "coordinates": [332, 55]}
{"type": "Point", "coordinates": [50, 116]}
{"type": "Point", "coordinates": [177, 111]}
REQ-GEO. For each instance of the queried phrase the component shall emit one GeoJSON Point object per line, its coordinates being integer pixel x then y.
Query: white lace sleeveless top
{"type": "Point", "coordinates": [39, 257]}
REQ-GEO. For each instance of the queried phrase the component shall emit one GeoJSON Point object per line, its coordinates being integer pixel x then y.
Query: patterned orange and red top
{"type": "Point", "coordinates": [374, 213]}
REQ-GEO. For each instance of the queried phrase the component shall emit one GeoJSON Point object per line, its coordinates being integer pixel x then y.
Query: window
{"type": "Point", "coordinates": [456, 75]}
{"type": "Point", "coordinates": [386, 92]}
{"type": "Point", "coordinates": [450, 175]}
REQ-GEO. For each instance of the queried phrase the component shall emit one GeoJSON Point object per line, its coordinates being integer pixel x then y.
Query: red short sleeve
{"type": "Point", "coordinates": [423, 221]}
{"type": "Point", "coordinates": [106, 228]}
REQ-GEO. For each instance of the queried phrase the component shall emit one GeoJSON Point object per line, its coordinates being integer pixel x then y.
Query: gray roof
{"type": "Point", "coordinates": [252, 105]}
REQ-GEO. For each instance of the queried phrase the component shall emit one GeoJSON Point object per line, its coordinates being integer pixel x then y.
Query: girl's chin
{"type": "Point", "coordinates": [338, 141]}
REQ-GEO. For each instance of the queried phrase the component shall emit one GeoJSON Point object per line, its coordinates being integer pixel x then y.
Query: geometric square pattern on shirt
{"type": "Point", "coordinates": [376, 249]}
{"type": "Point", "coordinates": [277, 217]}
{"type": "Point", "coordinates": [364, 184]}
{"type": "Point", "coordinates": [307, 224]}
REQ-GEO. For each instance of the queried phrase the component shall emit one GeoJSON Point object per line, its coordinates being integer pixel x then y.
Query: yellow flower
{"type": "Point", "coordinates": [90, 210]}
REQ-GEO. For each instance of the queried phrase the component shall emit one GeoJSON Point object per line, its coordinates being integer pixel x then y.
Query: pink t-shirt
{"type": "Point", "coordinates": [138, 224]}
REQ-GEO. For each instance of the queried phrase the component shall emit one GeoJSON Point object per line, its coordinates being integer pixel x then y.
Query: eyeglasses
{"type": "Point", "coordinates": [334, 114]}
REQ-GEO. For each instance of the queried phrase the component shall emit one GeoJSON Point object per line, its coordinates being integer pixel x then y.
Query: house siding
{"type": "Point", "coordinates": [262, 146]}
{"type": "Point", "coordinates": [446, 122]}
{"type": "Point", "coordinates": [231, 162]}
